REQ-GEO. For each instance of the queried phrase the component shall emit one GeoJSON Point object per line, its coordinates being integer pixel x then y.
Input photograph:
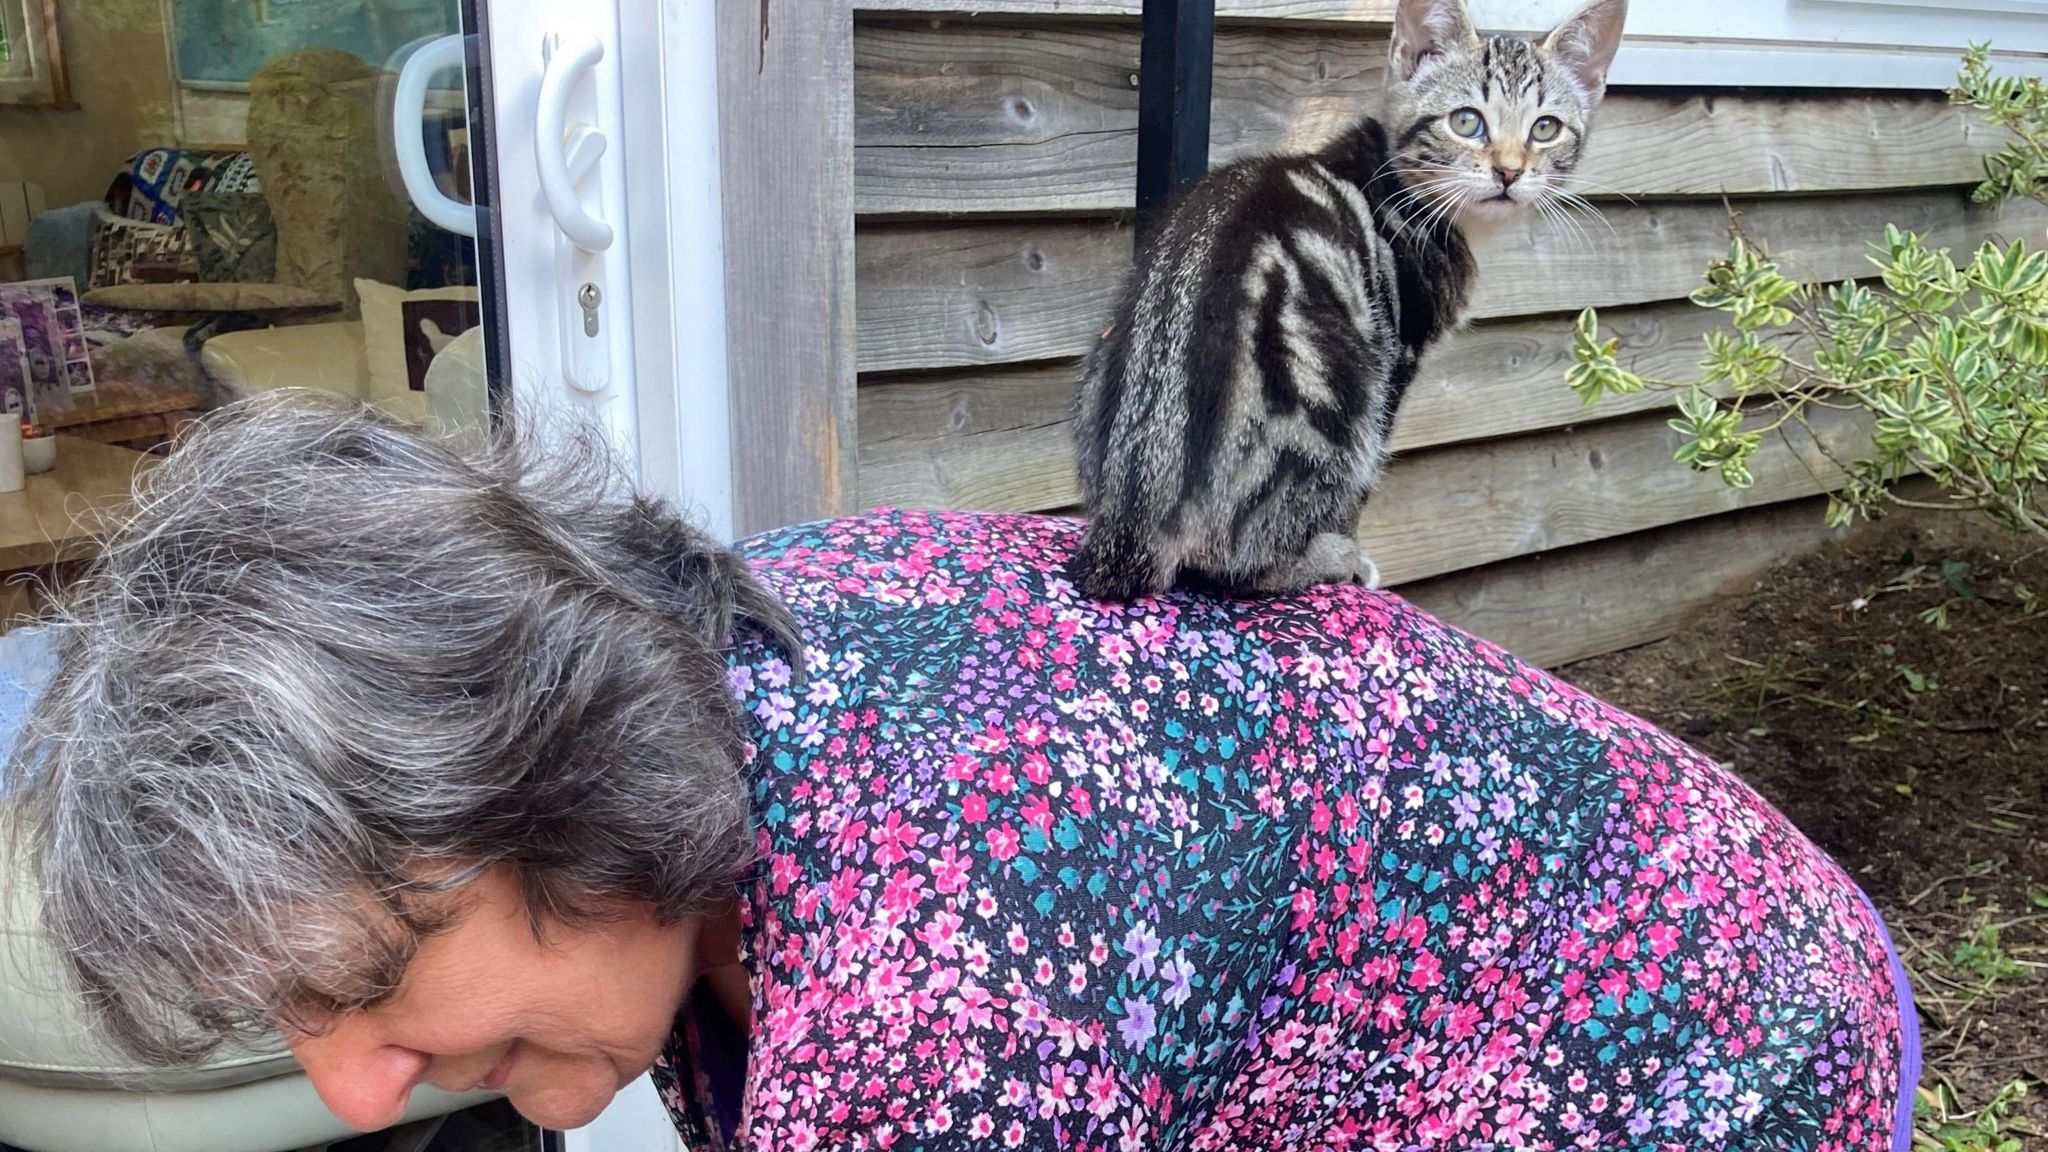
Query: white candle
{"type": "Point", "coordinates": [12, 470]}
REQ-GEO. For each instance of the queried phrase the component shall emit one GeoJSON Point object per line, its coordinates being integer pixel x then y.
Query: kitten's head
{"type": "Point", "coordinates": [1484, 126]}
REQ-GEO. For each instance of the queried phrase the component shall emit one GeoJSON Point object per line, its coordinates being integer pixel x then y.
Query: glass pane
{"type": "Point", "coordinates": [201, 200]}
{"type": "Point", "coordinates": [218, 211]}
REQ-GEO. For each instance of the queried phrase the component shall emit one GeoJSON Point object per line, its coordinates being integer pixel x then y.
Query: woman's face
{"type": "Point", "coordinates": [558, 1025]}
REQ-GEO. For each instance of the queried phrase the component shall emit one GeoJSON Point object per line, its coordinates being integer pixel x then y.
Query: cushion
{"type": "Point", "coordinates": [328, 356]}
{"type": "Point", "coordinates": [60, 243]}
{"type": "Point", "coordinates": [135, 252]}
{"type": "Point", "coordinates": [232, 235]}
{"type": "Point", "coordinates": [244, 297]}
{"type": "Point", "coordinates": [403, 332]}
{"type": "Point", "coordinates": [157, 180]}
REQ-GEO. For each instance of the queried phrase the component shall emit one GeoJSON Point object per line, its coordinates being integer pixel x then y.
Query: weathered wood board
{"type": "Point", "coordinates": [1009, 120]}
{"type": "Point", "coordinates": [1578, 602]}
{"type": "Point", "coordinates": [949, 295]}
{"type": "Point", "coordinates": [787, 174]}
{"type": "Point", "coordinates": [946, 440]}
{"type": "Point", "coordinates": [1446, 509]}
{"type": "Point", "coordinates": [1331, 11]}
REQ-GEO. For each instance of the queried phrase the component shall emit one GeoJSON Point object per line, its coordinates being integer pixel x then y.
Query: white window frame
{"type": "Point", "coordinates": [1897, 44]}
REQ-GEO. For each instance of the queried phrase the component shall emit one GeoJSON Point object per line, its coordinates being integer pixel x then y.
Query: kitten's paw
{"type": "Point", "coordinates": [1333, 558]}
{"type": "Point", "coordinates": [1367, 575]}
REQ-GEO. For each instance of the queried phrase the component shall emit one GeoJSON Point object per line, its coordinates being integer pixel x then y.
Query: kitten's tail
{"type": "Point", "coordinates": [1117, 560]}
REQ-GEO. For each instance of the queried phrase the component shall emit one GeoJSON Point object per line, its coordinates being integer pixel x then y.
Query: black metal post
{"type": "Point", "coordinates": [1175, 65]}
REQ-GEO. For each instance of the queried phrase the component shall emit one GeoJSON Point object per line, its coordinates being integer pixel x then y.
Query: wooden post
{"type": "Point", "coordinates": [785, 95]}
{"type": "Point", "coordinates": [1174, 71]}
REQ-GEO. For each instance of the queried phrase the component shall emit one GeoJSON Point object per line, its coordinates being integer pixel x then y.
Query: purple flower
{"type": "Point", "coordinates": [1139, 1022]}
{"type": "Point", "coordinates": [1179, 979]}
{"type": "Point", "coordinates": [1466, 806]}
{"type": "Point", "coordinates": [1144, 949]}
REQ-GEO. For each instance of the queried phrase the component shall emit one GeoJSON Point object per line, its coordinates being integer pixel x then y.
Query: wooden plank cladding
{"type": "Point", "coordinates": [967, 118]}
{"type": "Point", "coordinates": [994, 166]}
{"type": "Point", "coordinates": [1436, 511]}
{"type": "Point", "coordinates": [953, 295]}
{"type": "Point", "coordinates": [1567, 605]}
{"type": "Point", "coordinates": [1326, 11]}
{"type": "Point", "coordinates": [948, 440]}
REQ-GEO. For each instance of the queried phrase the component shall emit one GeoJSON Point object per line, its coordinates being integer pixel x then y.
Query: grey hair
{"type": "Point", "coordinates": [329, 666]}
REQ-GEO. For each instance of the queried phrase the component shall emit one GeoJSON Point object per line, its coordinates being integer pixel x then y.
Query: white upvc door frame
{"type": "Point", "coordinates": [675, 214]}
{"type": "Point", "coordinates": [1894, 44]}
{"type": "Point", "coordinates": [654, 379]}
{"type": "Point", "coordinates": [653, 382]}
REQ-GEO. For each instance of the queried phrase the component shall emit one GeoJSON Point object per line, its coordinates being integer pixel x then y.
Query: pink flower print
{"type": "Point", "coordinates": [938, 933]}
{"type": "Point", "coordinates": [1115, 648]}
{"type": "Point", "coordinates": [783, 871]}
{"type": "Point", "coordinates": [949, 870]}
{"type": "Point", "coordinates": [1152, 636]}
{"type": "Point", "coordinates": [1077, 978]}
{"type": "Point", "coordinates": [1393, 706]}
{"type": "Point", "coordinates": [893, 840]}
{"type": "Point", "coordinates": [982, 1126]}
{"type": "Point", "coordinates": [1019, 942]}
{"type": "Point", "coordinates": [974, 808]}
{"type": "Point", "coordinates": [1426, 972]}
{"type": "Point", "coordinates": [1513, 1123]}
{"type": "Point", "coordinates": [900, 892]}
{"type": "Point", "coordinates": [1003, 842]}
{"type": "Point", "coordinates": [1351, 714]}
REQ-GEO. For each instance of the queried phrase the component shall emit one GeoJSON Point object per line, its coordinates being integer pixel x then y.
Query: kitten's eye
{"type": "Point", "coordinates": [1467, 122]}
{"type": "Point", "coordinates": [1545, 129]}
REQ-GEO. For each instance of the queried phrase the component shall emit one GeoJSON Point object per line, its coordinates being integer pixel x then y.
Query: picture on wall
{"type": "Point", "coordinates": [14, 374]}
{"type": "Point", "coordinates": [221, 43]}
{"type": "Point", "coordinates": [430, 326]}
{"type": "Point", "coordinates": [45, 318]}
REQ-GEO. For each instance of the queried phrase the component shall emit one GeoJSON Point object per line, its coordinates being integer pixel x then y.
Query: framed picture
{"type": "Point", "coordinates": [219, 44]}
{"type": "Point", "coordinates": [43, 315]}
{"type": "Point", "coordinates": [431, 325]}
{"type": "Point", "coordinates": [14, 373]}
{"type": "Point", "coordinates": [31, 57]}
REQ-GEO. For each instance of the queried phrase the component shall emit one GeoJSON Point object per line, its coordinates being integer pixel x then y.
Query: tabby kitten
{"type": "Point", "coordinates": [1235, 415]}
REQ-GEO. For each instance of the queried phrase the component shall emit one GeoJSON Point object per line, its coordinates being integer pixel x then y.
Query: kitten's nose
{"type": "Point", "coordinates": [1508, 176]}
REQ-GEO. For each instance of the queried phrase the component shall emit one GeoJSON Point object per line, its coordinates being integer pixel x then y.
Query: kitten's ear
{"type": "Point", "coordinates": [1587, 40]}
{"type": "Point", "coordinates": [1425, 31]}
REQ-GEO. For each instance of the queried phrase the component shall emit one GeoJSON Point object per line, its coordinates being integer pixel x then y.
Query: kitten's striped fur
{"type": "Point", "coordinates": [1236, 413]}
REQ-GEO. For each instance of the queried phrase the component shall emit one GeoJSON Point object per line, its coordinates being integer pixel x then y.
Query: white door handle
{"type": "Point", "coordinates": [409, 140]}
{"type": "Point", "coordinates": [556, 154]}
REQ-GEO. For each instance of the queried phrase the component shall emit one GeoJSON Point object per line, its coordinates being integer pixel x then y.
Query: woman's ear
{"type": "Point", "coordinates": [1425, 31]}
{"type": "Point", "coordinates": [1586, 42]}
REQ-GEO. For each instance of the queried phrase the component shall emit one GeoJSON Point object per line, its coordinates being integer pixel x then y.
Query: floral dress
{"type": "Point", "coordinates": [1313, 872]}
